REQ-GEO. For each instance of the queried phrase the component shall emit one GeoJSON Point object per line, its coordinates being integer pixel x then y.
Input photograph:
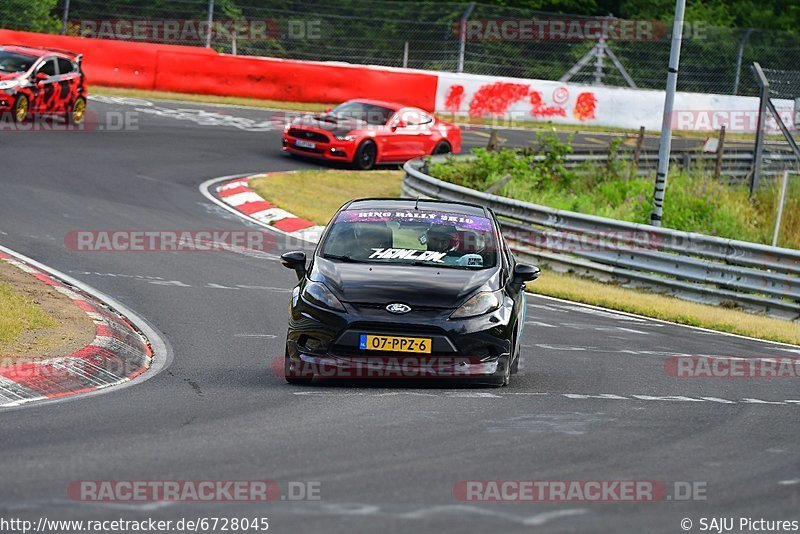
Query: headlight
{"type": "Point", "coordinates": [9, 84]}
{"type": "Point", "coordinates": [317, 293]}
{"type": "Point", "coordinates": [481, 303]}
{"type": "Point", "coordinates": [347, 137]}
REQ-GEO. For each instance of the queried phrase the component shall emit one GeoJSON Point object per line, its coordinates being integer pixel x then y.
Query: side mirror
{"type": "Point", "coordinates": [295, 260]}
{"type": "Point", "coordinates": [399, 124]}
{"type": "Point", "coordinates": [525, 273]}
{"type": "Point", "coordinates": [41, 76]}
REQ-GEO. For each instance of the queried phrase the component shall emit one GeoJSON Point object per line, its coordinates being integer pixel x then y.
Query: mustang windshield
{"type": "Point", "coordinates": [15, 62]}
{"type": "Point", "coordinates": [369, 113]}
{"type": "Point", "coordinates": [418, 237]}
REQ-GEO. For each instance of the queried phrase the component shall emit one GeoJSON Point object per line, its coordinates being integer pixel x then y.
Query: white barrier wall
{"type": "Point", "coordinates": [567, 103]}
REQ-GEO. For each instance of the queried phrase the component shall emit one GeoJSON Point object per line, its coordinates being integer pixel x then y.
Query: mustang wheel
{"type": "Point", "coordinates": [442, 147]}
{"type": "Point", "coordinates": [78, 112]}
{"type": "Point", "coordinates": [21, 108]}
{"type": "Point", "coordinates": [365, 155]}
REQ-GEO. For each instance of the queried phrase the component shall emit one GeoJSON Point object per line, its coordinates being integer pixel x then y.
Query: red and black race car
{"type": "Point", "coordinates": [39, 81]}
{"type": "Point", "coordinates": [369, 132]}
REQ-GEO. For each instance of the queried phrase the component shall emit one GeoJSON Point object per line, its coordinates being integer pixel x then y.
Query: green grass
{"type": "Point", "coordinates": [663, 307]}
{"type": "Point", "coordinates": [18, 315]}
{"type": "Point", "coordinates": [316, 195]}
{"type": "Point", "coordinates": [694, 202]}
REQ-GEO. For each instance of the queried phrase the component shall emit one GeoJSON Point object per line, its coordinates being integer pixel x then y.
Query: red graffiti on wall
{"type": "Point", "coordinates": [454, 98]}
{"type": "Point", "coordinates": [496, 98]}
{"type": "Point", "coordinates": [540, 109]}
{"type": "Point", "coordinates": [585, 106]}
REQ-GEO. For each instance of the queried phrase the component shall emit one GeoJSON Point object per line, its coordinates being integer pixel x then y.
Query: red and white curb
{"type": "Point", "coordinates": [237, 194]}
{"type": "Point", "coordinates": [119, 352]}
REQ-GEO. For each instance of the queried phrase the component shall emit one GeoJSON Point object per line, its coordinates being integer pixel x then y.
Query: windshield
{"type": "Point", "coordinates": [15, 62]}
{"type": "Point", "coordinates": [418, 237]}
{"type": "Point", "coordinates": [369, 113]}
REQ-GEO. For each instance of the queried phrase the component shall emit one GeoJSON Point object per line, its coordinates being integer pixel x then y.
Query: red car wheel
{"type": "Point", "coordinates": [366, 155]}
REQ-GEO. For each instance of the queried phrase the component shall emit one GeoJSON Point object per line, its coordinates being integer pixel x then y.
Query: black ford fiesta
{"type": "Point", "coordinates": [401, 288]}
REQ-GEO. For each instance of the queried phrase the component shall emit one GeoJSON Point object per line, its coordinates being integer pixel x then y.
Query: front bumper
{"type": "Point", "coordinates": [325, 343]}
{"type": "Point", "coordinates": [7, 101]}
{"type": "Point", "coordinates": [332, 150]}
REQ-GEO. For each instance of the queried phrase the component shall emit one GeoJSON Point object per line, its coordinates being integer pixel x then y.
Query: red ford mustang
{"type": "Point", "coordinates": [41, 81]}
{"type": "Point", "coordinates": [369, 132]}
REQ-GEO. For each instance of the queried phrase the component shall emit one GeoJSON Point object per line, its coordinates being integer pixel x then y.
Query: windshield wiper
{"type": "Point", "coordinates": [341, 257]}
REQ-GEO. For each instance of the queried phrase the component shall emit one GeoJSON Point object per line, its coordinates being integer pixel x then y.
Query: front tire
{"type": "Point", "coordinates": [21, 109]}
{"type": "Point", "coordinates": [293, 376]}
{"type": "Point", "coordinates": [366, 155]}
{"type": "Point", "coordinates": [503, 376]}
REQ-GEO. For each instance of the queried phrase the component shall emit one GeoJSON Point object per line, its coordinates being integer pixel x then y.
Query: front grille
{"type": "Point", "coordinates": [304, 149]}
{"type": "Point", "coordinates": [373, 306]}
{"type": "Point", "coordinates": [309, 135]}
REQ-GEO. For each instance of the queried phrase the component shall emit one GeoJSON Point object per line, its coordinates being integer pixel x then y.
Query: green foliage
{"type": "Point", "coordinates": [694, 202]}
{"type": "Point", "coordinates": [30, 15]}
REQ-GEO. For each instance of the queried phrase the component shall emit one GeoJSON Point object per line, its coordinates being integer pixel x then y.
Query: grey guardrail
{"type": "Point", "coordinates": [689, 265]}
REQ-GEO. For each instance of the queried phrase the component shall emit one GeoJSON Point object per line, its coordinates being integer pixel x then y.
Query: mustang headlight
{"type": "Point", "coordinates": [479, 304]}
{"type": "Point", "coordinates": [9, 84]}
{"type": "Point", "coordinates": [347, 137]}
{"type": "Point", "coordinates": [316, 293]}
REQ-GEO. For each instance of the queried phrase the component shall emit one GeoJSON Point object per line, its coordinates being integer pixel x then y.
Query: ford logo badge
{"type": "Point", "coordinates": [398, 308]}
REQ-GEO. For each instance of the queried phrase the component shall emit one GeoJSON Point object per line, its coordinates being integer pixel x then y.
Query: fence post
{"type": "Point", "coordinates": [462, 37]}
{"type": "Point", "coordinates": [210, 22]}
{"type": "Point", "coordinates": [780, 209]}
{"type": "Point", "coordinates": [739, 55]}
{"type": "Point", "coordinates": [720, 149]}
{"type": "Point", "coordinates": [637, 152]}
{"type": "Point", "coordinates": [666, 122]}
{"type": "Point", "coordinates": [405, 55]}
{"type": "Point", "coordinates": [65, 18]}
{"type": "Point", "coordinates": [758, 154]}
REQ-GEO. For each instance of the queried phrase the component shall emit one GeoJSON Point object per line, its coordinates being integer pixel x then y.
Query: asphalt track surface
{"type": "Point", "coordinates": [387, 455]}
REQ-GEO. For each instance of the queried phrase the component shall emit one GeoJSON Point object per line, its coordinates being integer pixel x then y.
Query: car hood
{"type": "Point", "coordinates": [4, 76]}
{"type": "Point", "coordinates": [330, 123]}
{"type": "Point", "coordinates": [413, 285]}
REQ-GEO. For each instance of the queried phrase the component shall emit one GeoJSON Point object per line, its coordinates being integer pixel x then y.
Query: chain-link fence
{"type": "Point", "coordinates": [449, 36]}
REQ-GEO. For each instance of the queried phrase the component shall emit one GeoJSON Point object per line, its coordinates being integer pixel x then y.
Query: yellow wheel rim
{"type": "Point", "coordinates": [22, 109]}
{"type": "Point", "coordinates": [78, 111]}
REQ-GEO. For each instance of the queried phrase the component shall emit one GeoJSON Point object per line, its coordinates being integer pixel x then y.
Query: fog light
{"type": "Point", "coordinates": [337, 152]}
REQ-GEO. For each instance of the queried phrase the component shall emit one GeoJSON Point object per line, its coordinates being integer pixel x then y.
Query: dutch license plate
{"type": "Point", "coordinates": [304, 144]}
{"type": "Point", "coordinates": [395, 344]}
